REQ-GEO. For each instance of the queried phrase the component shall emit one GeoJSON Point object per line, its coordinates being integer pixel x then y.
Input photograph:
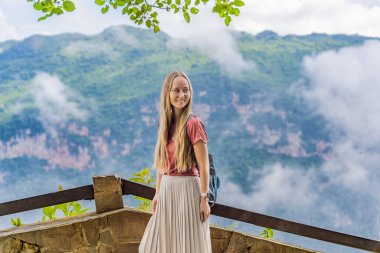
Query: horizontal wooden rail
{"type": "Point", "coordinates": [269, 221]}
{"type": "Point", "coordinates": [40, 201]}
{"type": "Point", "coordinates": [295, 228]}
{"type": "Point", "coordinates": [132, 188]}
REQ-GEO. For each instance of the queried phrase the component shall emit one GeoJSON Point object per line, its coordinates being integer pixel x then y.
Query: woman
{"type": "Point", "coordinates": [179, 223]}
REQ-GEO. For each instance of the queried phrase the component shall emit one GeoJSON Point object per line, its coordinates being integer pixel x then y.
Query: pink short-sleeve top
{"type": "Point", "coordinates": [196, 132]}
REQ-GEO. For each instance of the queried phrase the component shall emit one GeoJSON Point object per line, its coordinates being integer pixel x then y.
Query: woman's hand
{"type": "Point", "coordinates": [204, 209]}
{"type": "Point", "coordinates": [154, 202]}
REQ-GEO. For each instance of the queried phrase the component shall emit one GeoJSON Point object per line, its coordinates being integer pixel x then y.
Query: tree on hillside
{"type": "Point", "coordinates": [144, 11]}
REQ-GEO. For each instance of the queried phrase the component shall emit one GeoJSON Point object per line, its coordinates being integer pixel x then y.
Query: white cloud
{"type": "Point", "coordinates": [344, 88]}
{"type": "Point", "coordinates": [213, 39]}
{"type": "Point", "coordinates": [88, 48]}
{"type": "Point", "coordinates": [280, 187]}
{"type": "Point", "coordinates": [56, 101]}
{"type": "Point", "coordinates": [85, 48]}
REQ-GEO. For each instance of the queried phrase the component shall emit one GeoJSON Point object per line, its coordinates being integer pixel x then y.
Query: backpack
{"type": "Point", "coordinates": [214, 181]}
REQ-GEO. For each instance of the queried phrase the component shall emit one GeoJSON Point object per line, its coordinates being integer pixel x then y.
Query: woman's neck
{"type": "Point", "coordinates": [177, 115]}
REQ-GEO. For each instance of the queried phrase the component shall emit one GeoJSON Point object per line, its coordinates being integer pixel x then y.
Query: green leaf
{"type": "Point", "coordinates": [144, 172]}
{"type": "Point", "coordinates": [148, 23]}
{"type": "Point", "coordinates": [77, 207]}
{"type": "Point", "coordinates": [270, 233]}
{"type": "Point", "coordinates": [238, 3]}
{"type": "Point", "coordinates": [58, 11]}
{"type": "Point", "coordinates": [125, 10]}
{"type": "Point", "coordinates": [139, 2]}
{"type": "Point", "coordinates": [186, 16]}
{"type": "Point", "coordinates": [237, 12]}
{"type": "Point", "coordinates": [43, 18]}
{"type": "Point", "coordinates": [100, 2]}
{"type": "Point", "coordinates": [217, 8]}
{"type": "Point", "coordinates": [135, 179]}
{"type": "Point", "coordinates": [178, 2]}
{"type": "Point", "coordinates": [142, 199]}
{"type": "Point", "coordinates": [156, 29]}
{"type": "Point", "coordinates": [37, 6]}
{"type": "Point", "coordinates": [197, 2]}
{"type": "Point", "coordinates": [120, 2]}
{"type": "Point", "coordinates": [68, 6]}
{"type": "Point", "coordinates": [153, 15]}
{"type": "Point", "coordinates": [46, 210]}
{"type": "Point", "coordinates": [194, 10]}
{"type": "Point", "coordinates": [105, 9]}
{"type": "Point", "coordinates": [227, 20]}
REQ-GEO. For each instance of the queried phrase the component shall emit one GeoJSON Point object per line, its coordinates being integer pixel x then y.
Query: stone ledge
{"type": "Point", "coordinates": [118, 231]}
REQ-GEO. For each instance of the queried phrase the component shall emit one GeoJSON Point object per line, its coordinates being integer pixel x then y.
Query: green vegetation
{"type": "Point", "coordinates": [143, 12]}
{"type": "Point", "coordinates": [144, 177]}
{"type": "Point", "coordinates": [16, 222]}
{"type": "Point", "coordinates": [50, 212]}
{"type": "Point", "coordinates": [68, 209]}
{"type": "Point", "coordinates": [267, 233]}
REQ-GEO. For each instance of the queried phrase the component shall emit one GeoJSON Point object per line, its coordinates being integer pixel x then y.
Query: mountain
{"type": "Point", "coordinates": [72, 106]}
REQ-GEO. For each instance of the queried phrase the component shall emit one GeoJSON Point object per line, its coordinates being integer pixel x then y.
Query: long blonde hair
{"type": "Point", "coordinates": [184, 154]}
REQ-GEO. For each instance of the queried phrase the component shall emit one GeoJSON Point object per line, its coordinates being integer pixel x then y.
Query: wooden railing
{"type": "Point", "coordinates": [132, 188]}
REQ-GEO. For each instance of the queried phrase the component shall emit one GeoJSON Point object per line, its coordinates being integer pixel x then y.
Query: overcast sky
{"type": "Point", "coordinates": [19, 20]}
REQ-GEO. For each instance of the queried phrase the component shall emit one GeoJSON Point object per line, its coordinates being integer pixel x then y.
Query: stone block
{"type": "Point", "coordinates": [105, 249]}
{"type": "Point", "coordinates": [91, 232]}
{"type": "Point", "coordinates": [107, 193]}
{"type": "Point", "coordinates": [131, 247]}
{"type": "Point", "coordinates": [106, 238]}
{"type": "Point", "coordinates": [238, 244]}
{"type": "Point", "coordinates": [82, 250]}
{"type": "Point", "coordinates": [8, 244]}
{"type": "Point", "coordinates": [77, 241]}
{"type": "Point", "coordinates": [128, 226]}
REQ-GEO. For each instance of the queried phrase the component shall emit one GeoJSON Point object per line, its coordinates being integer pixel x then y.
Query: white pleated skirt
{"type": "Point", "coordinates": [176, 226]}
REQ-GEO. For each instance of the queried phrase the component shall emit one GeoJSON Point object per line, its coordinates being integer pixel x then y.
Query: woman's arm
{"type": "Point", "coordinates": [154, 201]}
{"type": "Point", "coordinates": [159, 176]}
{"type": "Point", "coordinates": [201, 154]}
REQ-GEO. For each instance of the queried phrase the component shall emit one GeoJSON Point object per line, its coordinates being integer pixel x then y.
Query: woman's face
{"type": "Point", "coordinates": [180, 92]}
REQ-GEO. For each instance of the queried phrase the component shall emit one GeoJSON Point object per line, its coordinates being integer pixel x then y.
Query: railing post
{"type": "Point", "coordinates": [107, 193]}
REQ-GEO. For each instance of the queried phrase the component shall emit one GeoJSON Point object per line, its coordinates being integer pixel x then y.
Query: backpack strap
{"type": "Point", "coordinates": [190, 116]}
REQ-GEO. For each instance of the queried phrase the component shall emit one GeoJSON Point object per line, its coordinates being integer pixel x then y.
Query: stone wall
{"type": "Point", "coordinates": [117, 231]}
